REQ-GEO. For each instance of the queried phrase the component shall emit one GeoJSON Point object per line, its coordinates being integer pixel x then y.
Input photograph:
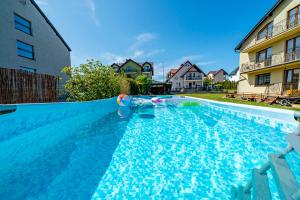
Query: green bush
{"type": "Point", "coordinates": [144, 83]}
{"type": "Point", "coordinates": [133, 87]}
{"type": "Point", "coordinates": [93, 81]}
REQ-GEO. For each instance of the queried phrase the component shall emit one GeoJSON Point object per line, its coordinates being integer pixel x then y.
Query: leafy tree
{"type": "Point", "coordinates": [144, 83]}
{"type": "Point", "coordinates": [92, 80]}
{"type": "Point", "coordinates": [206, 83]}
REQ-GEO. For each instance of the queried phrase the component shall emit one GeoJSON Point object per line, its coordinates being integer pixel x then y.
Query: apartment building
{"type": "Point", "coordinates": [187, 76]}
{"type": "Point", "coordinates": [29, 41]}
{"type": "Point", "coordinates": [132, 68]}
{"type": "Point", "coordinates": [270, 53]}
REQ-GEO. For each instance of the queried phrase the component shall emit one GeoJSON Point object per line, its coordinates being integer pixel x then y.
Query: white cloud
{"type": "Point", "coordinates": [109, 58]}
{"type": "Point", "coordinates": [142, 39]}
{"type": "Point", "coordinates": [137, 54]}
{"type": "Point", "coordinates": [134, 51]}
{"type": "Point", "coordinates": [145, 37]}
{"type": "Point", "coordinates": [155, 52]}
{"type": "Point", "coordinates": [92, 8]}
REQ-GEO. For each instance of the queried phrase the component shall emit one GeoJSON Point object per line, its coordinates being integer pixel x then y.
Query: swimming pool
{"type": "Point", "coordinates": [161, 151]}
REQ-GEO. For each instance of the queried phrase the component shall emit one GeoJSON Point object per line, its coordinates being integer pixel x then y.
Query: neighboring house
{"type": "Point", "coordinates": [217, 76]}
{"type": "Point", "coordinates": [235, 75]}
{"type": "Point", "coordinates": [187, 76]}
{"type": "Point", "coordinates": [29, 41]}
{"type": "Point", "coordinates": [270, 53]}
{"type": "Point", "coordinates": [132, 68]}
{"type": "Point", "coordinates": [171, 73]}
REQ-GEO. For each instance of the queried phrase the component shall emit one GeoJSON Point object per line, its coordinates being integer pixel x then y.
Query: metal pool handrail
{"type": "Point", "coordinates": [267, 166]}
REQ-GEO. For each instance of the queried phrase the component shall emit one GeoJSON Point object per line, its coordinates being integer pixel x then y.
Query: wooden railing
{"type": "Point", "coordinates": [275, 59]}
{"type": "Point", "coordinates": [18, 86]}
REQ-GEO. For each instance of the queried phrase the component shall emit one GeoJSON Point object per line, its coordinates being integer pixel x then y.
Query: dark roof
{"type": "Point", "coordinates": [50, 24]}
{"type": "Point", "coordinates": [217, 71]}
{"type": "Point", "coordinates": [269, 13]}
{"type": "Point", "coordinates": [213, 72]}
{"type": "Point", "coordinates": [181, 66]}
{"type": "Point", "coordinates": [141, 65]}
{"type": "Point", "coordinates": [234, 72]}
{"type": "Point", "coordinates": [127, 60]}
{"type": "Point", "coordinates": [196, 67]}
{"type": "Point", "coordinates": [172, 71]}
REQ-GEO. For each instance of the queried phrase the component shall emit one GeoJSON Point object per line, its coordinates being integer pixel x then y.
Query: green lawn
{"type": "Point", "coordinates": [220, 97]}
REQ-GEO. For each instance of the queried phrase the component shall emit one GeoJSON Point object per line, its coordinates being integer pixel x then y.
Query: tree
{"type": "Point", "coordinates": [206, 83]}
{"type": "Point", "coordinates": [144, 83]}
{"type": "Point", "coordinates": [92, 80]}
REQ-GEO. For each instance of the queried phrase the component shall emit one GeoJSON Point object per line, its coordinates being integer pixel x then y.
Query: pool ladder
{"type": "Point", "coordinates": [258, 187]}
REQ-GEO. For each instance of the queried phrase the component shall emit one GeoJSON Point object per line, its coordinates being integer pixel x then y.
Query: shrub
{"type": "Point", "coordinates": [144, 83]}
{"type": "Point", "coordinates": [133, 87]}
{"type": "Point", "coordinates": [92, 80]}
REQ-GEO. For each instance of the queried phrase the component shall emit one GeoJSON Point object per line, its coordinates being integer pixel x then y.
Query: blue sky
{"type": "Point", "coordinates": [166, 32]}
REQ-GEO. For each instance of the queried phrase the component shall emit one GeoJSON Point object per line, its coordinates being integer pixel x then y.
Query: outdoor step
{"type": "Point", "coordinates": [294, 140]}
{"type": "Point", "coordinates": [233, 193]}
{"type": "Point", "coordinates": [284, 178]}
{"type": "Point", "coordinates": [239, 194]}
{"type": "Point", "coordinates": [261, 190]}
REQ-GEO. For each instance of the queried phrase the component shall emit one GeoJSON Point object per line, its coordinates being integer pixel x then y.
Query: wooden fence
{"type": "Point", "coordinates": [18, 86]}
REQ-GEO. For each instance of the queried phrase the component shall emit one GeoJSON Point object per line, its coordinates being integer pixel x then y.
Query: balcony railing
{"type": "Point", "coordinates": [276, 59]}
{"type": "Point", "coordinates": [278, 28]}
{"type": "Point", "coordinates": [193, 78]}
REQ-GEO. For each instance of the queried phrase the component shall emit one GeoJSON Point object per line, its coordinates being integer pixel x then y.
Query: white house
{"type": "Point", "coordinates": [235, 75]}
{"type": "Point", "coordinates": [187, 76]}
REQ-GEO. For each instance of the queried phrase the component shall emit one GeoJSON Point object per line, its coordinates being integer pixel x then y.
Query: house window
{"type": "Point", "coordinates": [263, 79]}
{"type": "Point", "coordinates": [293, 17]}
{"type": "Point", "coordinates": [293, 49]}
{"type": "Point", "coordinates": [25, 50]}
{"type": "Point", "coordinates": [266, 32]}
{"type": "Point", "coordinates": [28, 69]}
{"type": "Point", "coordinates": [22, 24]}
{"type": "Point", "coordinates": [147, 69]}
{"type": "Point", "coordinates": [264, 56]}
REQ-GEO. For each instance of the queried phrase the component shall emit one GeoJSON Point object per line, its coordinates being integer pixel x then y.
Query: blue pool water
{"type": "Point", "coordinates": [163, 151]}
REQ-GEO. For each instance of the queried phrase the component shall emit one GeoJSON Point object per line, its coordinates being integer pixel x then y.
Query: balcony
{"type": "Point", "coordinates": [193, 78]}
{"type": "Point", "coordinates": [276, 60]}
{"type": "Point", "coordinates": [279, 31]}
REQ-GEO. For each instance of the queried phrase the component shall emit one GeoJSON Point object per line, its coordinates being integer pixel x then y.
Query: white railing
{"type": "Point", "coordinates": [199, 78]}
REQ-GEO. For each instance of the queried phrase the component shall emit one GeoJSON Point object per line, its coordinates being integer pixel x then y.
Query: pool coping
{"type": "Point", "coordinates": [278, 110]}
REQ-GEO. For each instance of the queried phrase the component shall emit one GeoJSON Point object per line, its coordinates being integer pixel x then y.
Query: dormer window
{"type": "Point", "coordinates": [147, 69]}
{"type": "Point", "coordinates": [266, 32]}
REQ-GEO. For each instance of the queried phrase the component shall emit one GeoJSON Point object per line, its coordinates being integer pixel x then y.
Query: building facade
{"type": "Point", "coordinates": [234, 75]}
{"type": "Point", "coordinates": [270, 53]}
{"type": "Point", "coordinates": [132, 69]}
{"type": "Point", "coordinates": [187, 76]}
{"type": "Point", "coordinates": [217, 76]}
{"type": "Point", "coordinates": [29, 41]}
